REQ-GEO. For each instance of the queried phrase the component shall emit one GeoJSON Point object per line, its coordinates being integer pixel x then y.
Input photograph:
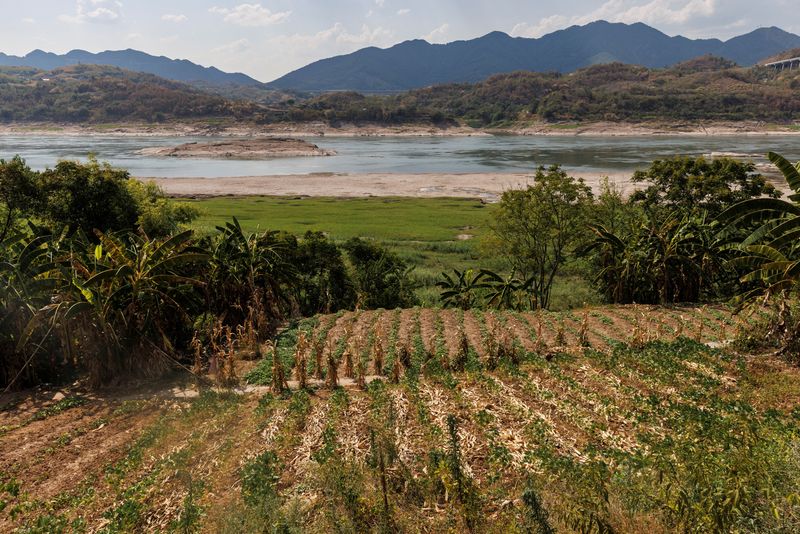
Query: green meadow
{"type": "Point", "coordinates": [385, 219]}
{"type": "Point", "coordinates": [433, 234]}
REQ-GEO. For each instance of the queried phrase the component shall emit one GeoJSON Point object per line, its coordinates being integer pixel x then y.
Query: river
{"type": "Point", "coordinates": [355, 155]}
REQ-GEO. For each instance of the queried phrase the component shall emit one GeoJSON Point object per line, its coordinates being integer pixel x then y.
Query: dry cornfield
{"type": "Point", "coordinates": [466, 415]}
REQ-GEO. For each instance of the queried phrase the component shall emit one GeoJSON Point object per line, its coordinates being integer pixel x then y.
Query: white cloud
{"type": "Point", "coordinates": [380, 3]}
{"type": "Point", "coordinates": [29, 20]}
{"type": "Point", "coordinates": [335, 34]}
{"type": "Point", "coordinates": [657, 12]}
{"type": "Point", "coordinates": [439, 35]}
{"type": "Point", "coordinates": [544, 26]}
{"type": "Point", "coordinates": [100, 11]}
{"type": "Point", "coordinates": [235, 47]}
{"type": "Point", "coordinates": [169, 17]}
{"type": "Point", "coordinates": [250, 15]}
{"type": "Point", "coordinates": [402, 12]}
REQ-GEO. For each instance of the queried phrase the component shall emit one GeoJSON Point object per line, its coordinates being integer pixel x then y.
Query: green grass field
{"type": "Point", "coordinates": [423, 231]}
{"type": "Point", "coordinates": [385, 219]}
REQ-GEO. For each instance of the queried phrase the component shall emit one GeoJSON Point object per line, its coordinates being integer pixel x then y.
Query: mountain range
{"type": "Point", "coordinates": [417, 63]}
{"type": "Point", "coordinates": [180, 70]}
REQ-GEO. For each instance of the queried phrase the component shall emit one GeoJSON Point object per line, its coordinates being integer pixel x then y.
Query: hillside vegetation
{"type": "Point", "coordinates": [704, 89]}
{"type": "Point", "coordinates": [92, 94]}
{"type": "Point", "coordinates": [701, 90]}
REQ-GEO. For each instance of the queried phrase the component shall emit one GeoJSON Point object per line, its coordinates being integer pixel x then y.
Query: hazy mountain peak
{"type": "Point", "coordinates": [414, 64]}
{"type": "Point", "coordinates": [181, 70]}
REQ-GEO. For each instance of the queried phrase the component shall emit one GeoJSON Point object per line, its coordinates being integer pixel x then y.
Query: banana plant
{"type": "Point", "coordinates": [461, 290]}
{"type": "Point", "coordinates": [247, 269]}
{"type": "Point", "coordinates": [504, 293]}
{"type": "Point", "coordinates": [656, 262]}
{"type": "Point", "coordinates": [770, 254]}
{"type": "Point", "coordinates": [25, 287]}
{"type": "Point", "coordinates": [121, 301]}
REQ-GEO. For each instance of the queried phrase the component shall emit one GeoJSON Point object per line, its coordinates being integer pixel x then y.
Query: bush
{"type": "Point", "coordinates": [158, 215]}
{"type": "Point", "coordinates": [382, 279]}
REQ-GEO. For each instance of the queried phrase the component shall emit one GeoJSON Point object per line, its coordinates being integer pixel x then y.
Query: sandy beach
{"type": "Point", "coordinates": [485, 186]}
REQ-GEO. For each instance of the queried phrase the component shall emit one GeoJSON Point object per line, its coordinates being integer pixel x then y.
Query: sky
{"type": "Point", "coordinates": [268, 38]}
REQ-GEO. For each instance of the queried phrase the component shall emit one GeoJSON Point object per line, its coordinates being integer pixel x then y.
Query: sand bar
{"type": "Point", "coordinates": [483, 185]}
{"type": "Point", "coordinates": [257, 148]}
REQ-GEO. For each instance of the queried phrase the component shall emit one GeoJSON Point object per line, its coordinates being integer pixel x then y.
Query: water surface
{"type": "Point", "coordinates": [485, 154]}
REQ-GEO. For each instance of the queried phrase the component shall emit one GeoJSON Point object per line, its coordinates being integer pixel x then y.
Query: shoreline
{"type": "Point", "coordinates": [485, 186]}
{"type": "Point", "coordinates": [300, 130]}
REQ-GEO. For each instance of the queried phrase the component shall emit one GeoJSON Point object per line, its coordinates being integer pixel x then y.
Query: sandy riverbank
{"type": "Point", "coordinates": [483, 185]}
{"type": "Point", "coordinates": [300, 130]}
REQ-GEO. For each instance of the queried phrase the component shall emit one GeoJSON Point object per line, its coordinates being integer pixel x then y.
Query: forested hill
{"type": "Point", "coordinates": [180, 70]}
{"type": "Point", "coordinates": [416, 64]}
{"type": "Point", "coordinates": [703, 89]}
{"type": "Point", "coordinates": [92, 94]}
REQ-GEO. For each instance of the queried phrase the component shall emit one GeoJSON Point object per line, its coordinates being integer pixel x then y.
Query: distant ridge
{"type": "Point", "coordinates": [415, 64]}
{"type": "Point", "coordinates": [90, 94]}
{"type": "Point", "coordinates": [180, 70]}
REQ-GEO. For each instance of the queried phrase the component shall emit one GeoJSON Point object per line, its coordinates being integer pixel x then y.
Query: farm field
{"type": "Point", "coordinates": [485, 421]}
{"type": "Point", "coordinates": [433, 235]}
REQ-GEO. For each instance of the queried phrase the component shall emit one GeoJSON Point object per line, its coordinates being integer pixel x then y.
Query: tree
{"type": "Point", "coordinates": [88, 196]}
{"type": "Point", "coordinates": [158, 215]}
{"type": "Point", "coordinates": [18, 192]}
{"type": "Point", "coordinates": [694, 185]}
{"type": "Point", "coordinates": [537, 228]}
{"type": "Point", "coordinates": [322, 283]}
